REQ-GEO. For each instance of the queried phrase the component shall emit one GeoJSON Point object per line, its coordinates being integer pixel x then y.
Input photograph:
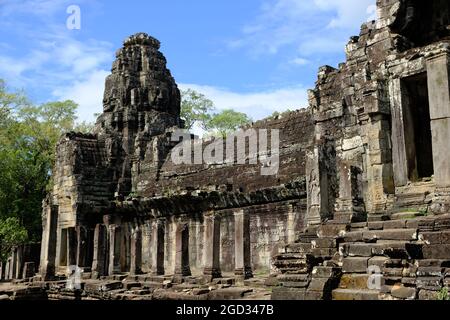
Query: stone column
{"type": "Point", "coordinates": [72, 247]}
{"type": "Point", "coordinates": [212, 246]}
{"type": "Point", "coordinates": [13, 268]}
{"type": "Point", "coordinates": [114, 249]}
{"type": "Point", "coordinates": [243, 267]}
{"type": "Point", "coordinates": [136, 251]}
{"type": "Point", "coordinates": [399, 158]}
{"type": "Point", "coordinates": [291, 224]}
{"type": "Point", "coordinates": [82, 246]}
{"type": "Point", "coordinates": [1, 270]}
{"type": "Point", "coordinates": [157, 247]}
{"type": "Point", "coordinates": [344, 204]}
{"type": "Point", "coordinates": [19, 262]}
{"type": "Point", "coordinates": [48, 245]}
{"type": "Point", "coordinates": [182, 268]}
{"type": "Point", "coordinates": [439, 98]}
{"type": "Point", "coordinates": [100, 249]}
{"type": "Point", "coordinates": [7, 266]}
{"type": "Point", "coordinates": [313, 215]}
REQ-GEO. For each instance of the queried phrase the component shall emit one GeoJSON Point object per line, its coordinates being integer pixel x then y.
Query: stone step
{"type": "Point", "coordinates": [332, 230]}
{"type": "Point", "coordinates": [298, 248]}
{"type": "Point", "coordinates": [324, 243]}
{"type": "Point", "coordinates": [293, 277]}
{"type": "Point", "coordinates": [297, 263]}
{"type": "Point", "coordinates": [355, 265]}
{"type": "Point", "coordinates": [406, 215]}
{"type": "Point", "coordinates": [294, 270]}
{"type": "Point", "coordinates": [358, 225]}
{"type": "Point", "coordinates": [374, 235]}
{"type": "Point", "coordinates": [291, 256]}
{"type": "Point", "coordinates": [390, 248]}
{"type": "Point", "coordinates": [155, 285]}
{"type": "Point", "coordinates": [354, 281]}
{"type": "Point", "coordinates": [229, 293]}
{"type": "Point", "coordinates": [355, 294]}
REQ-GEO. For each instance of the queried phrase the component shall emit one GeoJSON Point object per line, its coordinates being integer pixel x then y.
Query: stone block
{"type": "Point", "coordinates": [433, 263]}
{"type": "Point", "coordinates": [229, 293]}
{"type": "Point", "coordinates": [324, 243]}
{"type": "Point", "coordinates": [285, 294]}
{"type": "Point", "coordinates": [354, 294]}
{"type": "Point", "coordinates": [428, 295]}
{"type": "Point", "coordinates": [376, 225]}
{"type": "Point", "coordinates": [429, 283]}
{"type": "Point", "coordinates": [394, 234]}
{"type": "Point", "coordinates": [313, 295]}
{"type": "Point", "coordinates": [359, 250]}
{"type": "Point", "coordinates": [353, 236]}
{"type": "Point", "coordinates": [319, 284]}
{"type": "Point", "coordinates": [431, 237]}
{"type": "Point", "coordinates": [440, 129]}
{"type": "Point", "coordinates": [404, 293]}
{"type": "Point", "coordinates": [325, 272]}
{"type": "Point", "coordinates": [354, 281]}
{"type": "Point", "coordinates": [355, 265]}
{"type": "Point", "coordinates": [429, 272]}
{"type": "Point", "coordinates": [332, 230]}
{"type": "Point", "coordinates": [393, 272]}
{"type": "Point", "coordinates": [438, 251]}
{"type": "Point", "coordinates": [394, 224]}
{"type": "Point", "coordinates": [378, 262]}
{"type": "Point", "coordinates": [104, 286]}
{"type": "Point", "coordinates": [297, 284]}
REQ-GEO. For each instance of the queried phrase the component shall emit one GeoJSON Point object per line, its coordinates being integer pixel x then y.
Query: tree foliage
{"type": "Point", "coordinates": [195, 108]}
{"type": "Point", "coordinates": [28, 135]}
{"type": "Point", "coordinates": [12, 233]}
{"type": "Point", "coordinates": [226, 122]}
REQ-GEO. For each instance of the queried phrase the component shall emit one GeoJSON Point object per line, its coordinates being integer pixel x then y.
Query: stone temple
{"type": "Point", "coordinates": [359, 209]}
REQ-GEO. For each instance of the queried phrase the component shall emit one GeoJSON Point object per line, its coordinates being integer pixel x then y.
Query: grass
{"type": "Point", "coordinates": [443, 294]}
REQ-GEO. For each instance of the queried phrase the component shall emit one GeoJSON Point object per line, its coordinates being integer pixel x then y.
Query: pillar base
{"type": "Point", "coordinates": [212, 273]}
{"type": "Point", "coordinates": [244, 273]}
{"type": "Point", "coordinates": [158, 272]}
{"type": "Point", "coordinates": [183, 272]}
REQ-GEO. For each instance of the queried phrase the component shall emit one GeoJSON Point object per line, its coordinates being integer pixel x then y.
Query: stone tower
{"type": "Point", "coordinates": [141, 101]}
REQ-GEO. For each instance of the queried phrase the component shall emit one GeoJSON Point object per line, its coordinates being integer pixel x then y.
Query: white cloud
{"type": "Point", "coordinates": [347, 12]}
{"type": "Point", "coordinates": [43, 8]}
{"type": "Point", "coordinates": [300, 61]}
{"type": "Point", "coordinates": [58, 62]}
{"type": "Point", "coordinates": [87, 93]}
{"type": "Point", "coordinates": [256, 104]}
{"type": "Point", "coordinates": [304, 24]}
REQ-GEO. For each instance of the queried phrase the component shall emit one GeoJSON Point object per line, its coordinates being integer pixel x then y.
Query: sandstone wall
{"type": "Point", "coordinates": [296, 136]}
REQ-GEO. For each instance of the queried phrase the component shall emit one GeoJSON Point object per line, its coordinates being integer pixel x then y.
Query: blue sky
{"type": "Point", "coordinates": [256, 56]}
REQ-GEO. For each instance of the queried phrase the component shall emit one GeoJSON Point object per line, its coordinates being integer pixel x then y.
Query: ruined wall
{"type": "Point", "coordinates": [296, 136]}
{"type": "Point", "coordinates": [359, 110]}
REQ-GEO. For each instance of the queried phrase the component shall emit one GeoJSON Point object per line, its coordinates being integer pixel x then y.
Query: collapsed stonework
{"type": "Point", "coordinates": [364, 181]}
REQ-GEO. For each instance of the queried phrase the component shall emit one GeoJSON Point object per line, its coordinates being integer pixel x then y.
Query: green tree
{"type": "Point", "coordinates": [12, 233]}
{"type": "Point", "coordinates": [28, 135]}
{"type": "Point", "coordinates": [226, 122]}
{"type": "Point", "coordinates": [195, 108]}
{"type": "Point", "coordinates": [85, 127]}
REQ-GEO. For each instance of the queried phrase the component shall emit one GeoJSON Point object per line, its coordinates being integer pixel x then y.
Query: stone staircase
{"type": "Point", "coordinates": [400, 256]}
